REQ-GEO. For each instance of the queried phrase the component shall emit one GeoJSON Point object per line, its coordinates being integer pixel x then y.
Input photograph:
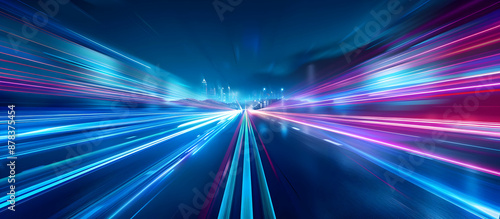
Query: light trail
{"type": "Point", "coordinates": [40, 187]}
{"type": "Point", "coordinates": [245, 146]}
{"type": "Point", "coordinates": [150, 177]}
{"type": "Point", "coordinates": [428, 90]}
{"type": "Point", "coordinates": [395, 146]}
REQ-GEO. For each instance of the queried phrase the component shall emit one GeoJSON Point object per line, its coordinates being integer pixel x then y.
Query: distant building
{"type": "Point", "coordinates": [204, 88]}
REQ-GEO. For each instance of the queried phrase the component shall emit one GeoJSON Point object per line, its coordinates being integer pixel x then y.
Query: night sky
{"type": "Point", "coordinates": [258, 41]}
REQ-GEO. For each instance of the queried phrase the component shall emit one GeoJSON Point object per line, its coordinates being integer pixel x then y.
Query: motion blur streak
{"type": "Point", "coordinates": [442, 189]}
{"type": "Point", "coordinates": [247, 142]}
{"type": "Point", "coordinates": [33, 190]}
{"type": "Point", "coordinates": [152, 176]}
{"type": "Point", "coordinates": [394, 100]}
{"type": "Point", "coordinates": [408, 127]}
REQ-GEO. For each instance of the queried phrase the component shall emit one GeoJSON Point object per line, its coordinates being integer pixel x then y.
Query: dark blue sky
{"type": "Point", "coordinates": [257, 40]}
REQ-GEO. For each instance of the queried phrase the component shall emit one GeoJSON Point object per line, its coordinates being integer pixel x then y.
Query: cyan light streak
{"type": "Point", "coordinates": [159, 172]}
{"type": "Point", "coordinates": [227, 200]}
{"type": "Point", "coordinates": [375, 108]}
{"type": "Point", "coordinates": [247, 141]}
{"type": "Point", "coordinates": [93, 125]}
{"type": "Point", "coordinates": [67, 74]}
{"type": "Point", "coordinates": [470, 204]}
{"type": "Point", "coordinates": [138, 125]}
{"type": "Point", "coordinates": [40, 187]}
{"type": "Point", "coordinates": [264, 189]}
{"type": "Point", "coordinates": [200, 121]}
{"type": "Point", "coordinates": [399, 147]}
{"type": "Point", "coordinates": [42, 146]}
{"type": "Point", "coordinates": [463, 201]}
{"type": "Point", "coordinates": [420, 71]}
{"type": "Point", "coordinates": [109, 49]}
{"type": "Point", "coordinates": [246, 196]}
